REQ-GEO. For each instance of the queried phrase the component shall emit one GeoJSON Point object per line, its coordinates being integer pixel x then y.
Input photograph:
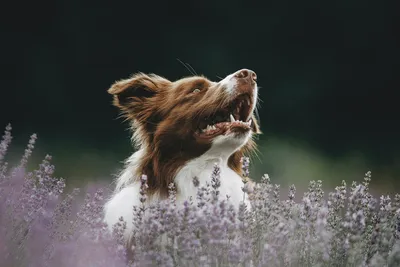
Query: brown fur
{"type": "Point", "coordinates": [164, 117]}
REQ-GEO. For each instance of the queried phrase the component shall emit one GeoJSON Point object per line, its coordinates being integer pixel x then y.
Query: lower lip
{"type": "Point", "coordinates": [220, 128]}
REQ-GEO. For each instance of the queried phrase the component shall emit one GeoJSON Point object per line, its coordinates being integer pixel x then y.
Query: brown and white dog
{"type": "Point", "coordinates": [181, 129]}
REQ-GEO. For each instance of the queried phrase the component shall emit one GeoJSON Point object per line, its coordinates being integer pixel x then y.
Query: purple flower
{"type": "Point", "coordinates": [5, 142]}
{"type": "Point", "coordinates": [42, 224]}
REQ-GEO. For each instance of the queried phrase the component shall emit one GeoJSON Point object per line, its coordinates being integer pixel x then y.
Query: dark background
{"type": "Point", "coordinates": [328, 72]}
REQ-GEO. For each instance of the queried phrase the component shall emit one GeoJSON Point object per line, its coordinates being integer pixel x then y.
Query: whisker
{"type": "Point", "coordinates": [187, 64]}
{"type": "Point", "coordinates": [258, 103]}
{"type": "Point", "coordinates": [189, 69]}
{"type": "Point", "coordinates": [258, 117]}
{"type": "Point", "coordinates": [255, 154]}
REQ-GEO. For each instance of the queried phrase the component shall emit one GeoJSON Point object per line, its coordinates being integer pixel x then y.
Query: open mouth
{"type": "Point", "coordinates": [235, 117]}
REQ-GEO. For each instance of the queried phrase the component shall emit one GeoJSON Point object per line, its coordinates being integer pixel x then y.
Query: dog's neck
{"type": "Point", "coordinates": [200, 167]}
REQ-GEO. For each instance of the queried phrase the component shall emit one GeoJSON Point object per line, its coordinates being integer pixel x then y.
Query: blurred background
{"type": "Point", "coordinates": [328, 72]}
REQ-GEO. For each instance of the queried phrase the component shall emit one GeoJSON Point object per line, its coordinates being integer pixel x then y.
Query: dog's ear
{"type": "Point", "coordinates": [131, 95]}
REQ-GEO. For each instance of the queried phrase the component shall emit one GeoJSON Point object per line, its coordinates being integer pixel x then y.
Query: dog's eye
{"type": "Point", "coordinates": [196, 90]}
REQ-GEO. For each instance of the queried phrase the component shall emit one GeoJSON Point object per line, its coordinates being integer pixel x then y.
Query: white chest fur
{"type": "Point", "coordinates": [122, 202]}
{"type": "Point", "coordinates": [231, 183]}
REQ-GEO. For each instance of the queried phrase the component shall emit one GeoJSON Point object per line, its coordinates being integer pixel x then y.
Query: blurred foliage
{"type": "Point", "coordinates": [286, 161]}
{"type": "Point", "coordinates": [326, 71]}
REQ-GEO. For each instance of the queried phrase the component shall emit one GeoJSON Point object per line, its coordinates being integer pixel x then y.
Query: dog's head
{"type": "Point", "coordinates": [181, 120]}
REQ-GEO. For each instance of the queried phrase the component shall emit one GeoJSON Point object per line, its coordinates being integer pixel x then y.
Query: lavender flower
{"type": "Point", "coordinates": [196, 181]}
{"type": "Point", "coordinates": [42, 225]}
{"type": "Point", "coordinates": [143, 188]}
{"type": "Point", "coordinates": [215, 182]}
{"type": "Point", "coordinates": [245, 166]}
{"type": "Point", "coordinates": [5, 142]}
{"type": "Point", "coordinates": [28, 150]}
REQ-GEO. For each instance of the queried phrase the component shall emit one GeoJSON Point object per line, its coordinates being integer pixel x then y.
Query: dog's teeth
{"type": "Point", "coordinates": [248, 102]}
{"type": "Point", "coordinates": [232, 118]}
{"type": "Point", "coordinates": [208, 128]}
{"type": "Point", "coordinates": [249, 122]}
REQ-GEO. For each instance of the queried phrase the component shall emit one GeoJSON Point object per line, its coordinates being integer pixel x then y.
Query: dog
{"type": "Point", "coordinates": [180, 130]}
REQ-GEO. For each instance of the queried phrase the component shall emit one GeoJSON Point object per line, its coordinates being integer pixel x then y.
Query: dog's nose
{"type": "Point", "coordinates": [249, 75]}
